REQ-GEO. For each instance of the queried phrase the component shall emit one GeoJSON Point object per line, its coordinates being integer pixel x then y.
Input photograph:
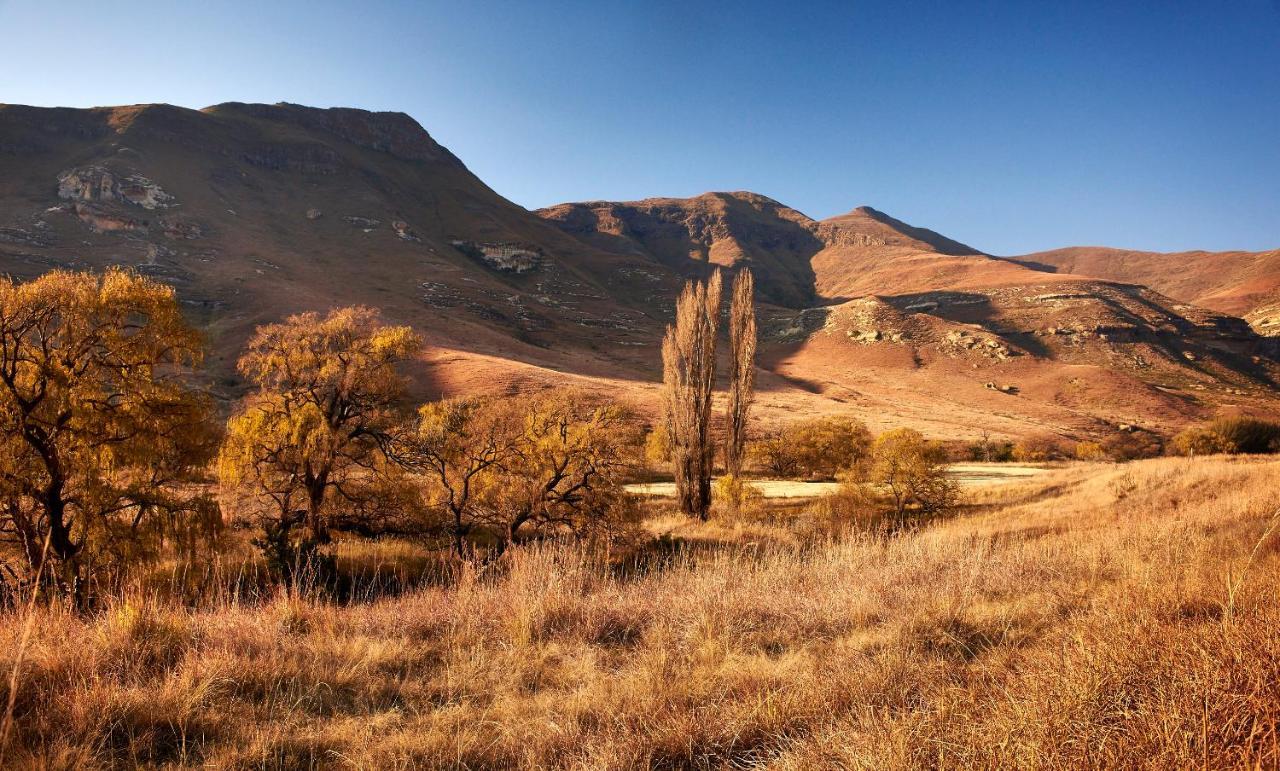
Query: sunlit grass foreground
{"type": "Point", "coordinates": [1097, 616]}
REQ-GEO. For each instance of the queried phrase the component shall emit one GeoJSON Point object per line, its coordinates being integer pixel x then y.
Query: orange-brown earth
{"type": "Point", "coordinates": [1244, 284]}
{"type": "Point", "coordinates": [256, 211]}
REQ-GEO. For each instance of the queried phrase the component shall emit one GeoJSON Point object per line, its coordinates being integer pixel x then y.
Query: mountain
{"type": "Point", "coordinates": [713, 229]}
{"type": "Point", "coordinates": [895, 320]}
{"type": "Point", "coordinates": [253, 212]}
{"type": "Point", "coordinates": [1244, 284]}
{"type": "Point", "coordinates": [257, 211]}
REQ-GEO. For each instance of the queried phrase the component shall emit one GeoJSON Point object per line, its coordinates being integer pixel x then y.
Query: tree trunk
{"type": "Point", "coordinates": [315, 511]}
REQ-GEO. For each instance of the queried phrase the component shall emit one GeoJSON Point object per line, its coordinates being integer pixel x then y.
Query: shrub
{"type": "Point", "coordinates": [657, 447]}
{"type": "Point", "coordinates": [1090, 451]}
{"type": "Point", "coordinates": [913, 472]}
{"type": "Point", "coordinates": [1248, 435]}
{"type": "Point", "coordinates": [987, 451]}
{"type": "Point", "coordinates": [1201, 440]}
{"type": "Point", "coordinates": [736, 494]}
{"type": "Point", "coordinates": [853, 502]}
{"type": "Point", "coordinates": [1125, 446]}
{"type": "Point", "coordinates": [1036, 449]}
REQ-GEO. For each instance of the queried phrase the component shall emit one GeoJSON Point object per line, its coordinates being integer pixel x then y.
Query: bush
{"type": "Point", "coordinates": [987, 451]}
{"type": "Point", "coordinates": [1125, 446]}
{"type": "Point", "coordinates": [853, 502]}
{"type": "Point", "coordinates": [1090, 451]}
{"type": "Point", "coordinates": [913, 472]}
{"type": "Point", "coordinates": [1201, 440]}
{"type": "Point", "coordinates": [1248, 435]}
{"type": "Point", "coordinates": [1036, 449]}
{"type": "Point", "coordinates": [736, 494]}
{"type": "Point", "coordinates": [657, 447]}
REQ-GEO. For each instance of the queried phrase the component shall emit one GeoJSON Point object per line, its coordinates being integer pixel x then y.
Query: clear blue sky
{"type": "Point", "coordinates": [1013, 126]}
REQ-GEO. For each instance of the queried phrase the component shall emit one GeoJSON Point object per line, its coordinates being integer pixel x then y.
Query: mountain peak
{"type": "Point", "coordinates": [885, 229]}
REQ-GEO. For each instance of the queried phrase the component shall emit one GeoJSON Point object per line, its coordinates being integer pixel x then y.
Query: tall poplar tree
{"type": "Point", "coordinates": [742, 374]}
{"type": "Point", "coordinates": [688, 375]}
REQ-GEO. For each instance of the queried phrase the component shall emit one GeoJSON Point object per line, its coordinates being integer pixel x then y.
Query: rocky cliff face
{"type": "Point", "coordinates": [256, 211]}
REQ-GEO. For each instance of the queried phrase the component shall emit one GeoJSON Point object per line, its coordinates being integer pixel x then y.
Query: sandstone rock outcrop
{"type": "Point", "coordinates": [506, 257]}
{"type": "Point", "coordinates": [99, 184]}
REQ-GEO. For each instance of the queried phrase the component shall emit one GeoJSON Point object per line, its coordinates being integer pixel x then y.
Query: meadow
{"type": "Point", "coordinates": [1098, 615]}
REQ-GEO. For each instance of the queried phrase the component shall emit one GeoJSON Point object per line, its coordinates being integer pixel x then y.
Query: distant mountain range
{"type": "Point", "coordinates": [256, 211]}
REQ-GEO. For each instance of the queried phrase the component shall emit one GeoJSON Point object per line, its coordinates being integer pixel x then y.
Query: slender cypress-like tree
{"type": "Point", "coordinates": [742, 374]}
{"type": "Point", "coordinates": [688, 375]}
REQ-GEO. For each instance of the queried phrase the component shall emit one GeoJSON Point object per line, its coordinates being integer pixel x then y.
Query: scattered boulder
{"type": "Point", "coordinates": [403, 232]}
{"type": "Point", "coordinates": [314, 214]}
{"type": "Point", "coordinates": [100, 220]}
{"type": "Point", "coordinates": [364, 223]}
{"type": "Point", "coordinates": [181, 230]}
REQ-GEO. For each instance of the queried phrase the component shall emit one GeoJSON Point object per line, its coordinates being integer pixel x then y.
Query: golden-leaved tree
{"type": "Point", "coordinates": [913, 471]}
{"type": "Point", "coordinates": [688, 378]}
{"type": "Point", "coordinates": [308, 451]}
{"type": "Point", "coordinates": [567, 466]}
{"type": "Point", "coordinates": [742, 372]}
{"type": "Point", "coordinates": [101, 430]}
{"type": "Point", "coordinates": [503, 467]}
{"type": "Point", "coordinates": [460, 445]}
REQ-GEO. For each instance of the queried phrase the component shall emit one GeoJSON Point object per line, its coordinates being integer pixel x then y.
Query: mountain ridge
{"type": "Point", "coordinates": [253, 212]}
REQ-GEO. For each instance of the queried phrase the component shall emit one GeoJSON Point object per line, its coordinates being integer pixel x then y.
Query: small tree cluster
{"type": "Point", "coordinates": [689, 373]}
{"type": "Point", "coordinates": [822, 447]}
{"type": "Point", "coordinates": [1037, 449]}
{"type": "Point", "coordinates": [499, 468]}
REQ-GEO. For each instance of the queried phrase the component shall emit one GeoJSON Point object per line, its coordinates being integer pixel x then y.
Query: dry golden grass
{"type": "Point", "coordinates": [1098, 616]}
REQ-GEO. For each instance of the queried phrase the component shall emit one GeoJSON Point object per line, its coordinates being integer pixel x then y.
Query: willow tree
{"type": "Point", "coordinates": [460, 445]}
{"type": "Point", "coordinates": [507, 468]}
{"type": "Point", "coordinates": [100, 428]}
{"type": "Point", "coordinates": [742, 374]}
{"type": "Point", "coordinates": [308, 452]}
{"type": "Point", "coordinates": [688, 376]}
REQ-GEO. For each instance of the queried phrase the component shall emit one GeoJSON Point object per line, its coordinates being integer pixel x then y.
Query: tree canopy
{"type": "Point", "coordinates": [99, 425]}
{"type": "Point", "coordinates": [310, 447]}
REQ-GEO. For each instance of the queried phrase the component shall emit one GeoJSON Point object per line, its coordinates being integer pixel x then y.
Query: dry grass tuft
{"type": "Point", "coordinates": [1098, 616]}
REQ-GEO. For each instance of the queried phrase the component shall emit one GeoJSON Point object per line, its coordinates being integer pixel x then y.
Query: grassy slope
{"type": "Point", "coordinates": [1081, 619]}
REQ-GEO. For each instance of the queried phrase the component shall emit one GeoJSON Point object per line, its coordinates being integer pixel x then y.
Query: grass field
{"type": "Point", "coordinates": [1091, 616]}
